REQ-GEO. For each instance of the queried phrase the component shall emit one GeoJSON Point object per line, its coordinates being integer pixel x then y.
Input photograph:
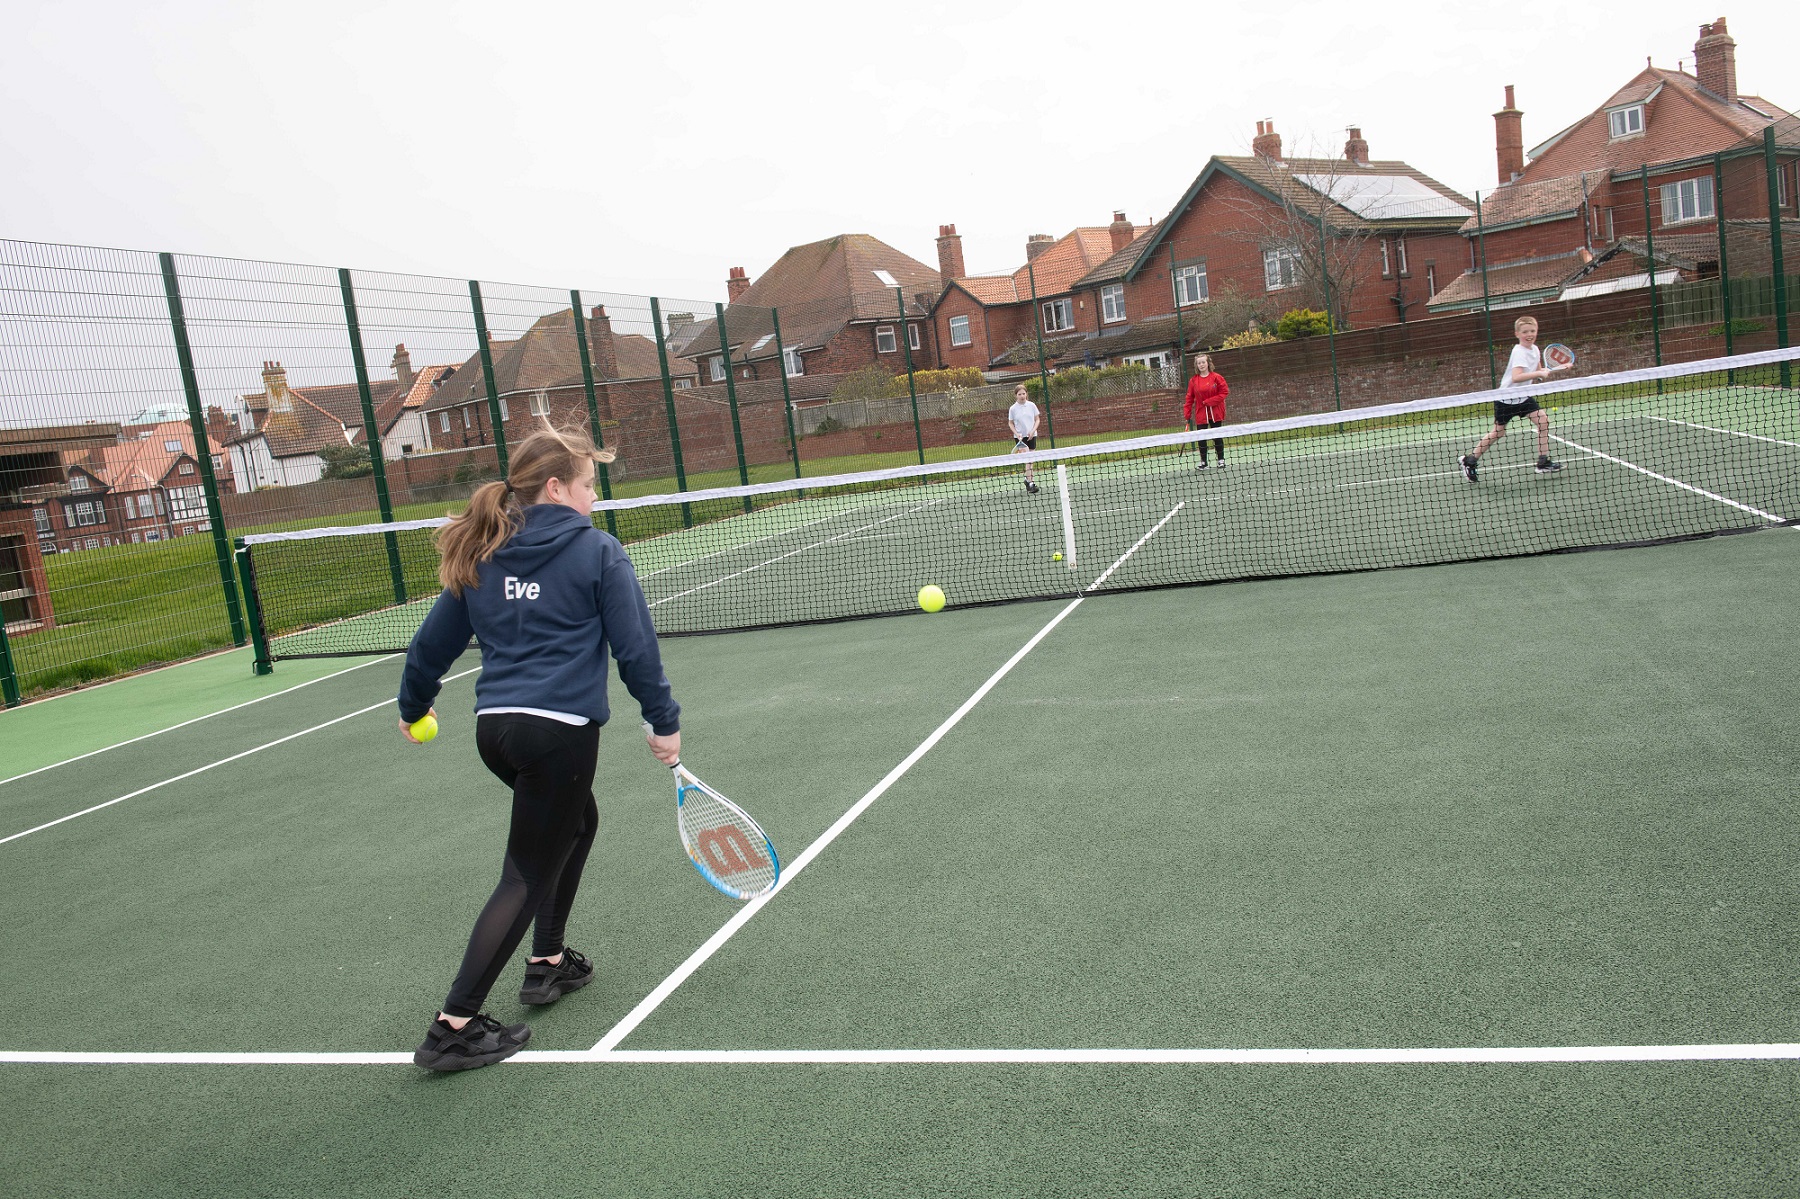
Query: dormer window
{"type": "Point", "coordinates": [1625, 122]}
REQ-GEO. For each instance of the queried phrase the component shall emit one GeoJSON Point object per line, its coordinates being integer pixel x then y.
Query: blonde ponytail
{"type": "Point", "coordinates": [497, 510]}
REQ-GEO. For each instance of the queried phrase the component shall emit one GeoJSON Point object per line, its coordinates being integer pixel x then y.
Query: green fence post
{"type": "Point", "coordinates": [1337, 397]}
{"type": "Point", "coordinates": [372, 434]}
{"type": "Point", "coordinates": [737, 430]}
{"type": "Point", "coordinates": [487, 375]}
{"type": "Point", "coordinates": [262, 662]}
{"type": "Point", "coordinates": [911, 387]}
{"type": "Point", "coordinates": [9, 678]}
{"type": "Point", "coordinates": [1724, 259]}
{"type": "Point", "coordinates": [662, 360]}
{"type": "Point", "coordinates": [1487, 311]}
{"type": "Point", "coordinates": [1650, 256]}
{"type": "Point", "coordinates": [593, 403]}
{"type": "Point", "coordinates": [787, 396]}
{"type": "Point", "coordinates": [1777, 259]}
{"type": "Point", "coordinates": [1037, 324]}
{"type": "Point", "coordinates": [190, 383]}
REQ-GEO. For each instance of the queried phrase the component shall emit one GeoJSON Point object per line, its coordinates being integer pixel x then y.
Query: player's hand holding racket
{"type": "Point", "coordinates": [1558, 357]}
{"type": "Point", "coordinates": [726, 846]}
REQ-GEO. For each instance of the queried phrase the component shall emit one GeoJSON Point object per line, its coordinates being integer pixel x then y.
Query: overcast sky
{"type": "Point", "coordinates": [648, 148]}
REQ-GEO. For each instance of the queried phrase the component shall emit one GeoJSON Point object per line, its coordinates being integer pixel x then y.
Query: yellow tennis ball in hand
{"type": "Point", "coordinates": [424, 728]}
{"type": "Point", "coordinates": [931, 598]}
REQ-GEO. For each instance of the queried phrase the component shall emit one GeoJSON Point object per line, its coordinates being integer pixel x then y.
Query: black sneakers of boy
{"type": "Point", "coordinates": [1547, 467]}
{"type": "Point", "coordinates": [546, 983]}
{"type": "Point", "coordinates": [481, 1042]}
{"type": "Point", "coordinates": [1202, 465]}
{"type": "Point", "coordinates": [1031, 489]}
{"type": "Point", "coordinates": [1468, 467]}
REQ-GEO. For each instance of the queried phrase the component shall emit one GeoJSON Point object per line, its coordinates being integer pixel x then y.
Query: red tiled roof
{"type": "Point", "coordinates": [142, 462]}
{"type": "Point", "coordinates": [1519, 201]}
{"type": "Point", "coordinates": [1508, 280]}
{"type": "Point", "coordinates": [992, 289]}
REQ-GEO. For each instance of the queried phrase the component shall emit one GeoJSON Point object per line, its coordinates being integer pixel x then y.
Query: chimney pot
{"type": "Point", "coordinates": [1509, 139]}
{"type": "Point", "coordinates": [1268, 142]}
{"type": "Point", "coordinates": [736, 284]}
{"type": "Point", "coordinates": [950, 253]}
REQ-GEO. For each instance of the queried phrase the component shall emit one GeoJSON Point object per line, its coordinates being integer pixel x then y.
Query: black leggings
{"type": "Point", "coordinates": [550, 768]}
{"type": "Point", "coordinates": [1218, 442]}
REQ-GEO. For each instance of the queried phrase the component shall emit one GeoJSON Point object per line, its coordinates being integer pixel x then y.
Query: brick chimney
{"type": "Point", "coordinates": [736, 284]}
{"type": "Point", "coordinates": [275, 386]}
{"type": "Point", "coordinates": [219, 427]}
{"type": "Point", "coordinates": [601, 344]}
{"type": "Point", "coordinates": [1268, 142]}
{"type": "Point", "coordinates": [1715, 61]}
{"type": "Point", "coordinates": [1121, 231]}
{"type": "Point", "coordinates": [403, 370]}
{"type": "Point", "coordinates": [1509, 139]}
{"type": "Point", "coordinates": [1036, 244]}
{"type": "Point", "coordinates": [950, 255]}
{"type": "Point", "coordinates": [1356, 150]}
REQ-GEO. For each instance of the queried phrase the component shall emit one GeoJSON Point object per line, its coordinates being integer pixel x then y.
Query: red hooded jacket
{"type": "Point", "coordinates": [1206, 398]}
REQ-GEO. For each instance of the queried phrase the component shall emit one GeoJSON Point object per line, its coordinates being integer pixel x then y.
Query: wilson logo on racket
{"type": "Point", "coordinates": [728, 851]}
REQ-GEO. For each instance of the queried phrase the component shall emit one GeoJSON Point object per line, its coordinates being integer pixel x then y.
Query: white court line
{"type": "Point", "coordinates": [214, 765]}
{"type": "Point", "coordinates": [741, 545]}
{"type": "Point", "coordinates": [1644, 470]}
{"type": "Point", "coordinates": [1407, 1056]}
{"type": "Point", "coordinates": [695, 960]}
{"type": "Point", "coordinates": [196, 720]}
{"type": "Point", "coordinates": [1669, 420]}
{"type": "Point", "coordinates": [780, 557]}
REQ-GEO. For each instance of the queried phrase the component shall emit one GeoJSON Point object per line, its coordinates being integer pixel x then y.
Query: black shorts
{"type": "Point", "coordinates": [1029, 443]}
{"type": "Point", "coordinates": [1505, 412]}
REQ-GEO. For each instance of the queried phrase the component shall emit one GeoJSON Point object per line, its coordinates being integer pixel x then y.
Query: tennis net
{"type": "Point", "coordinates": [1666, 454]}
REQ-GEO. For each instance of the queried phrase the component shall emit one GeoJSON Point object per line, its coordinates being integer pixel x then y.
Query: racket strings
{"type": "Point", "coordinates": [727, 846]}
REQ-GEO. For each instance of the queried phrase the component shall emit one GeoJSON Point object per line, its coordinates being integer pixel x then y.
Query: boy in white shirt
{"type": "Point", "coordinates": [1525, 366]}
{"type": "Point", "coordinates": [1023, 417]}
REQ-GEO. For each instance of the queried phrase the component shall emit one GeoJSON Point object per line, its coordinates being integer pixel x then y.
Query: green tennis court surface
{"type": "Point", "coordinates": [1500, 808]}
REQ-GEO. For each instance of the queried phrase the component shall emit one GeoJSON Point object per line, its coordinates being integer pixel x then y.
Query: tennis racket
{"type": "Point", "coordinates": [1558, 357]}
{"type": "Point", "coordinates": [729, 849]}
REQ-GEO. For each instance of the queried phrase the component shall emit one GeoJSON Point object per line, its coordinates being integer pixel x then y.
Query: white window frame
{"type": "Point", "coordinates": [1400, 255]}
{"type": "Point", "coordinates": [1112, 303]}
{"type": "Point", "coordinates": [912, 336]}
{"type": "Point", "coordinates": [1387, 268]}
{"type": "Point", "coordinates": [685, 383]}
{"type": "Point", "coordinates": [885, 340]}
{"type": "Point", "coordinates": [1430, 279]}
{"type": "Point", "coordinates": [1155, 361]}
{"type": "Point", "coordinates": [1624, 122]}
{"type": "Point", "coordinates": [444, 421]}
{"type": "Point", "coordinates": [715, 368]}
{"type": "Point", "coordinates": [1059, 315]}
{"type": "Point", "coordinates": [505, 414]}
{"type": "Point", "coordinates": [41, 516]}
{"type": "Point", "coordinates": [465, 416]}
{"type": "Point", "coordinates": [540, 403]}
{"type": "Point", "coordinates": [1281, 269]}
{"type": "Point", "coordinates": [1190, 285]}
{"type": "Point", "coordinates": [172, 446]}
{"type": "Point", "coordinates": [1781, 184]}
{"type": "Point", "coordinates": [960, 333]}
{"type": "Point", "coordinates": [1690, 199]}
{"type": "Point", "coordinates": [186, 468]}
{"type": "Point", "coordinates": [78, 483]}
{"type": "Point", "coordinates": [791, 362]}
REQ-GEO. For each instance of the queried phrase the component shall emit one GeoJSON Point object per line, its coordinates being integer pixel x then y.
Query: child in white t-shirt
{"type": "Point", "coordinates": [1023, 417]}
{"type": "Point", "coordinates": [1525, 366]}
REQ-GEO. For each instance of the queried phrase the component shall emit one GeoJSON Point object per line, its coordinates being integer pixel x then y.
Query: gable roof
{"type": "Point", "coordinates": [1058, 269]}
{"type": "Point", "coordinates": [140, 462]}
{"type": "Point", "coordinates": [547, 357]}
{"type": "Point", "coordinates": [1518, 203]}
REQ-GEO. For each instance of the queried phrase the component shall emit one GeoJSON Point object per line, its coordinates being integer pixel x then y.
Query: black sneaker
{"type": "Point", "coordinates": [481, 1042]}
{"type": "Point", "coordinates": [1031, 488]}
{"type": "Point", "coordinates": [1468, 467]}
{"type": "Point", "coordinates": [1547, 467]}
{"type": "Point", "coordinates": [1202, 465]}
{"type": "Point", "coordinates": [546, 983]}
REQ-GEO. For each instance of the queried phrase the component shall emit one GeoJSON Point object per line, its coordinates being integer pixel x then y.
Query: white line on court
{"type": "Point", "coordinates": [214, 765]}
{"type": "Point", "coordinates": [695, 960]}
{"type": "Point", "coordinates": [1449, 1055]}
{"type": "Point", "coordinates": [1669, 420]}
{"type": "Point", "coordinates": [1644, 470]}
{"type": "Point", "coordinates": [741, 545]}
{"type": "Point", "coordinates": [196, 720]}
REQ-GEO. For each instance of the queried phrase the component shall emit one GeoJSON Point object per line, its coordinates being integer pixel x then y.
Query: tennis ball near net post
{"type": "Point", "coordinates": [931, 598]}
{"type": "Point", "coordinates": [424, 728]}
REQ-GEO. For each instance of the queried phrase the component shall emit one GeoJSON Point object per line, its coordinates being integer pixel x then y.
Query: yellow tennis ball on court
{"type": "Point", "coordinates": [931, 597]}
{"type": "Point", "coordinates": [1056, 557]}
{"type": "Point", "coordinates": [424, 728]}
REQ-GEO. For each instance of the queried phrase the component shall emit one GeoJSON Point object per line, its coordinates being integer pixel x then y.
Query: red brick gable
{"type": "Point", "coordinates": [838, 274]}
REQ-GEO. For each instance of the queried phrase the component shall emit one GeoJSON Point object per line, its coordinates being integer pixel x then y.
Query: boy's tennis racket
{"type": "Point", "coordinates": [729, 849]}
{"type": "Point", "coordinates": [1558, 357]}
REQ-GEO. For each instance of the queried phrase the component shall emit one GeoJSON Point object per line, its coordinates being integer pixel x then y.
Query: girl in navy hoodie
{"type": "Point", "coordinates": [546, 594]}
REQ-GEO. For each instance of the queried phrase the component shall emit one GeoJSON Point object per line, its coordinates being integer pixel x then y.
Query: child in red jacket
{"type": "Point", "coordinates": [1205, 404]}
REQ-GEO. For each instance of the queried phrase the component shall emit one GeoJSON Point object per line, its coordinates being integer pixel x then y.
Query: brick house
{"type": "Point", "coordinates": [1568, 217]}
{"type": "Point", "coordinates": [288, 426]}
{"type": "Point", "coordinates": [31, 469]}
{"type": "Point", "coordinates": [146, 486]}
{"type": "Point", "coordinates": [837, 308]}
{"type": "Point", "coordinates": [1249, 227]}
{"type": "Point", "coordinates": [986, 321]}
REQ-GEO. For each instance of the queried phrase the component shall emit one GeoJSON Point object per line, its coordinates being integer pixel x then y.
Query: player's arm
{"type": "Point", "coordinates": [440, 640]}
{"type": "Point", "coordinates": [625, 623]}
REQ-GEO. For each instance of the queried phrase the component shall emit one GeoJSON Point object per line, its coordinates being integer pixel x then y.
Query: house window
{"type": "Point", "coordinates": [465, 416]}
{"type": "Point", "coordinates": [1688, 200]}
{"type": "Point", "coordinates": [959, 331]}
{"type": "Point", "coordinates": [218, 461]}
{"type": "Point", "coordinates": [715, 368]}
{"type": "Point", "coordinates": [131, 507]}
{"type": "Point", "coordinates": [152, 534]}
{"type": "Point", "coordinates": [1112, 302]}
{"type": "Point", "coordinates": [1624, 122]}
{"type": "Point", "coordinates": [1400, 253]}
{"type": "Point", "coordinates": [78, 483]}
{"type": "Point", "coordinates": [159, 502]}
{"type": "Point", "coordinates": [540, 403]}
{"type": "Point", "coordinates": [1387, 268]}
{"type": "Point", "coordinates": [83, 512]}
{"type": "Point", "coordinates": [172, 446]}
{"type": "Point", "coordinates": [444, 421]}
{"type": "Point", "coordinates": [1190, 284]}
{"type": "Point", "coordinates": [1281, 268]}
{"type": "Point", "coordinates": [1781, 187]}
{"type": "Point", "coordinates": [187, 503]}
{"type": "Point", "coordinates": [1154, 361]}
{"type": "Point", "coordinates": [912, 336]}
{"type": "Point", "coordinates": [684, 383]}
{"type": "Point", "coordinates": [504, 414]}
{"type": "Point", "coordinates": [1059, 315]}
{"type": "Point", "coordinates": [884, 339]}
{"type": "Point", "coordinates": [42, 517]}
{"type": "Point", "coordinates": [92, 543]}
{"type": "Point", "coordinates": [790, 362]}
{"type": "Point", "coordinates": [1430, 279]}
{"type": "Point", "coordinates": [187, 468]}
